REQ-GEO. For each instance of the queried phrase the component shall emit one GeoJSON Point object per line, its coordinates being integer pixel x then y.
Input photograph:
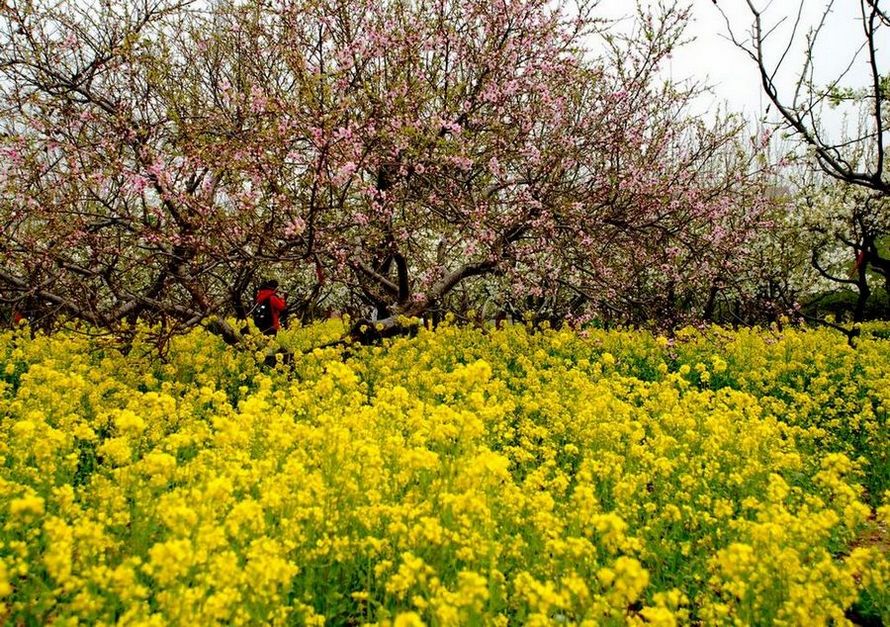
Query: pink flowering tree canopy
{"type": "Point", "coordinates": [160, 157]}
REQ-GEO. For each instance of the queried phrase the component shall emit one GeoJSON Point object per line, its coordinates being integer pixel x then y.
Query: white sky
{"type": "Point", "coordinates": [734, 76]}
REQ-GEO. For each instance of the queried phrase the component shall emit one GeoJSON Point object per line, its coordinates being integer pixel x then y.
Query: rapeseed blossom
{"type": "Point", "coordinates": [465, 476]}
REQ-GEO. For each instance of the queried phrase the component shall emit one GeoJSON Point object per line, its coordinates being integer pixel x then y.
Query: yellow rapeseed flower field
{"type": "Point", "coordinates": [461, 477]}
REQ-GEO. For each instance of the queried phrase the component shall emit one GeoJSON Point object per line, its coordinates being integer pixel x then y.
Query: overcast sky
{"type": "Point", "coordinates": [733, 74]}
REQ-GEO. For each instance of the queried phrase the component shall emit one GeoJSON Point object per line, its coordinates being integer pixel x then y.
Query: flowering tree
{"type": "Point", "coordinates": [160, 156]}
{"type": "Point", "coordinates": [680, 199]}
{"type": "Point", "coordinates": [109, 210]}
{"type": "Point", "coordinates": [855, 158]}
{"type": "Point", "coordinates": [837, 219]}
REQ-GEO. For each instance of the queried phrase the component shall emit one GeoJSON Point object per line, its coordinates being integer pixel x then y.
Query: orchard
{"type": "Point", "coordinates": [161, 158]}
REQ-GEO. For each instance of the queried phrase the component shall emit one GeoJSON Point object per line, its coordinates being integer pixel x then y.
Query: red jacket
{"type": "Point", "coordinates": [276, 305]}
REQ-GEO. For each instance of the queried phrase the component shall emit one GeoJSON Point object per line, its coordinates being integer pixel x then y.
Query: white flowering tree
{"type": "Point", "coordinates": [853, 214]}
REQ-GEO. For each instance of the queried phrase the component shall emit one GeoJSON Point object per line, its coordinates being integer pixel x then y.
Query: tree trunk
{"type": "Point", "coordinates": [864, 291]}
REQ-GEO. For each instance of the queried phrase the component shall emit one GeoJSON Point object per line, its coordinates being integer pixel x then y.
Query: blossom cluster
{"type": "Point", "coordinates": [462, 476]}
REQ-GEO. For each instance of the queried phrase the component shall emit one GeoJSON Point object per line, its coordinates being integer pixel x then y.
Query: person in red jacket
{"type": "Point", "coordinates": [268, 307]}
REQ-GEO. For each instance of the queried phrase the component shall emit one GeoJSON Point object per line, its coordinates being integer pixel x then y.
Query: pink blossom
{"type": "Point", "coordinates": [345, 172]}
{"type": "Point", "coordinates": [295, 227]}
{"type": "Point", "coordinates": [452, 127]}
{"type": "Point", "coordinates": [12, 154]}
{"type": "Point", "coordinates": [137, 183]}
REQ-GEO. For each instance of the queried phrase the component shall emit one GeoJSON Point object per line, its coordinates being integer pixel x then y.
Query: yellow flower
{"type": "Point", "coordinates": [59, 551]}
{"type": "Point", "coordinates": [116, 450]}
{"type": "Point", "coordinates": [659, 616]}
{"type": "Point", "coordinates": [128, 423]}
{"type": "Point", "coordinates": [5, 587]}
{"type": "Point", "coordinates": [27, 507]}
{"type": "Point", "coordinates": [170, 561]}
{"type": "Point", "coordinates": [408, 619]}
